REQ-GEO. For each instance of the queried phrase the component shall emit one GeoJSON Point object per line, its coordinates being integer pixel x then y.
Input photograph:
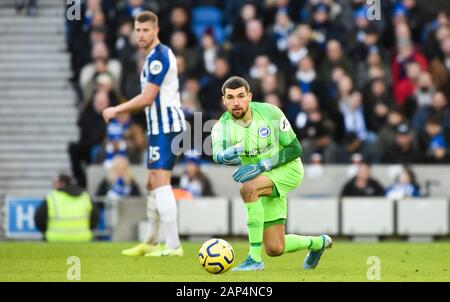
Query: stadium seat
{"type": "Point", "coordinates": [208, 18]}
{"type": "Point", "coordinates": [423, 217]}
{"type": "Point", "coordinates": [313, 216]}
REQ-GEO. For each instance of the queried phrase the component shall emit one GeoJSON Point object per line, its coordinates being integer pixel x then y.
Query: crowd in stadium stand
{"type": "Point", "coordinates": [350, 87]}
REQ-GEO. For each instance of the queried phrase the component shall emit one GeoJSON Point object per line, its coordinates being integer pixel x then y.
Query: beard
{"type": "Point", "coordinates": [148, 44]}
{"type": "Point", "coordinates": [240, 115]}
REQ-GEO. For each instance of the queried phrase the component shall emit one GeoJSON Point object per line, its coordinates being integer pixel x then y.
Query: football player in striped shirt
{"type": "Point", "coordinates": [160, 98]}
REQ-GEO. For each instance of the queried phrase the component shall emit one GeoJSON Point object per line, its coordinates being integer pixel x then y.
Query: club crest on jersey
{"type": "Point", "coordinates": [155, 67]}
{"type": "Point", "coordinates": [264, 131]}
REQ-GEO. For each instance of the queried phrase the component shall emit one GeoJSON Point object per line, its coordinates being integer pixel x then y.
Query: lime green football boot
{"type": "Point", "coordinates": [164, 251]}
{"type": "Point", "coordinates": [141, 249]}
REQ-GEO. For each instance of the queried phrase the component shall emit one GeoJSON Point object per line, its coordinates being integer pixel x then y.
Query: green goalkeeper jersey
{"type": "Point", "coordinates": [268, 133]}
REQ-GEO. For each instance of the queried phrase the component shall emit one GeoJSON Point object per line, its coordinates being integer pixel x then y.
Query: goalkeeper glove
{"type": "Point", "coordinates": [230, 156]}
{"type": "Point", "coordinates": [248, 172]}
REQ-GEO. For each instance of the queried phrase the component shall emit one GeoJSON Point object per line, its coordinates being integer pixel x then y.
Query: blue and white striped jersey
{"type": "Point", "coordinates": [165, 114]}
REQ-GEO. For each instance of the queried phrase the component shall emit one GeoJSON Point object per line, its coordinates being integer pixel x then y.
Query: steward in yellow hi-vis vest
{"type": "Point", "coordinates": [68, 214]}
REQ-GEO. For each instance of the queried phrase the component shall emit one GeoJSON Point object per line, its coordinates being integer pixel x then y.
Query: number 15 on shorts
{"type": "Point", "coordinates": [153, 153]}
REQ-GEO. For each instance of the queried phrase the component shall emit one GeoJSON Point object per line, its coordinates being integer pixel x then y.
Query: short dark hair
{"type": "Point", "coordinates": [433, 120]}
{"type": "Point", "coordinates": [147, 16]}
{"type": "Point", "coordinates": [65, 179]}
{"type": "Point", "coordinates": [235, 82]}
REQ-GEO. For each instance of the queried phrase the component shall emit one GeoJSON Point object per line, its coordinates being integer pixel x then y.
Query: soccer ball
{"type": "Point", "coordinates": [216, 256]}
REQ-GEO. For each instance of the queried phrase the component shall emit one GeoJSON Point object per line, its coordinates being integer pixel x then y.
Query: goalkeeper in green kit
{"type": "Point", "coordinates": [259, 138]}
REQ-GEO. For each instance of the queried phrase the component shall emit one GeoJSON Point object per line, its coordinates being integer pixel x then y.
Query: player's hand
{"type": "Point", "coordinates": [248, 172]}
{"type": "Point", "coordinates": [230, 156]}
{"type": "Point", "coordinates": [109, 113]}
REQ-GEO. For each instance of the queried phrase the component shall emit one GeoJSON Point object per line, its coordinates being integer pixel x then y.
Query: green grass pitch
{"type": "Point", "coordinates": [102, 261]}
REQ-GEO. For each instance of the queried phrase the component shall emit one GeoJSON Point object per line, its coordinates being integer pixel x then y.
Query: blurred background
{"type": "Point", "coordinates": [368, 100]}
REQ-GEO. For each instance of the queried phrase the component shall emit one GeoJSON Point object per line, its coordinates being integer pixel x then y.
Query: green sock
{"type": "Point", "coordinates": [294, 243]}
{"type": "Point", "coordinates": [255, 227]}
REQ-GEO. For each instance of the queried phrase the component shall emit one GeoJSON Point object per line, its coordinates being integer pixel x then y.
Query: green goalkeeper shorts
{"type": "Point", "coordinates": [285, 179]}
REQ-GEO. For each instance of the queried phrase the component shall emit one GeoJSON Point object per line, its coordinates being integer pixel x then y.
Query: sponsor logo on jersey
{"type": "Point", "coordinates": [258, 151]}
{"type": "Point", "coordinates": [264, 131]}
{"type": "Point", "coordinates": [285, 126]}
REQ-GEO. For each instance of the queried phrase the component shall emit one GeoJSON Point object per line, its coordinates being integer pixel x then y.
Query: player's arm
{"type": "Point", "coordinates": [146, 98]}
{"type": "Point", "coordinates": [158, 65]}
{"type": "Point", "coordinates": [284, 156]}
{"type": "Point", "coordinates": [287, 154]}
{"type": "Point", "coordinates": [290, 149]}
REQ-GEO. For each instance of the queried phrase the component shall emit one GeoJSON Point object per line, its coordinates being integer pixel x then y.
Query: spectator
{"type": "Point", "coordinates": [208, 51]}
{"type": "Point", "coordinates": [367, 42]}
{"type": "Point", "coordinates": [415, 18]}
{"type": "Point", "coordinates": [178, 43]}
{"type": "Point", "coordinates": [249, 11]}
{"type": "Point", "coordinates": [131, 82]}
{"type": "Point", "coordinates": [190, 104]}
{"type": "Point", "coordinates": [282, 28]}
{"type": "Point", "coordinates": [386, 137]}
{"type": "Point", "coordinates": [124, 138]}
{"type": "Point", "coordinates": [211, 94]}
{"type": "Point", "coordinates": [130, 9]}
{"type": "Point", "coordinates": [352, 110]}
{"type": "Point", "coordinates": [371, 68]}
{"type": "Point", "coordinates": [92, 27]}
{"type": "Point", "coordinates": [437, 142]}
{"type": "Point", "coordinates": [422, 94]}
{"type": "Point", "coordinates": [115, 138]}
{"type": "Point", "coordinates": [405, 185]}
{"type": "Point", "coordinates": [178, 21]}
{"type": "Point", "coordinates": [119, 182]}
{"type": "Point", "coordinates": [262, 66]}
{"type": "Point", "coordinates": [357, 22]}
{"type": "Point", "coordinates": [307, 79]}
{"type": "Point", "coordinates": [314, 130]}
{"type": "Point", "coordinates": [272, 84]}
{"type": "Point", "coordinates": [288, 7]}
{"type": "Point", "coordinates": [123, 45]}
{"type": "Point", "coordinates": [406, 54]}
{"type": "Point", "coordinates": [322, 25]}
{"type": "Point", "coordinates": [440, 66]}
{"type": "Point", "coordinates": [438, 108]}
{"type": "Point", "coordinates": [335, 58]}
{"type": "Point", "coordinates": [274, 99]}
{"type": "Point", "coordinates": [295, 51]}
{"type": "Point", "coordinates": [257, 42]}
{"type": "Point", "coordinates": [404, 150]}
{"type": "Point", "coordinates": [92, 133]}
{"type": "Point", "coordinates": [406, 86]}
{"type": "Point", "coordinates": [127, 51]}
{"type": "Point", "coordinates": [352, 146]}
{"type": "Point", "coordinates": [194, 180]}
{"type": "Point", "coordinates": [100, 57]}
{"type": "Point", "coordinates": [376, 105]}
{"type": "Point", "coordinates": [362, 185]}
{"type": "Point", "coordinates": [292, 105]}
{"type": "Point", "coordinates": [67, 213]}
{"type": "Point", "coordinates": [102, 81]}
{"type": "Point", "coordinates": [434, 33]}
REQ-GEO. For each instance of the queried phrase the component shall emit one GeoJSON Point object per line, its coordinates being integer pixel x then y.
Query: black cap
{"type": "Point", "coordinates": [350, 137]}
